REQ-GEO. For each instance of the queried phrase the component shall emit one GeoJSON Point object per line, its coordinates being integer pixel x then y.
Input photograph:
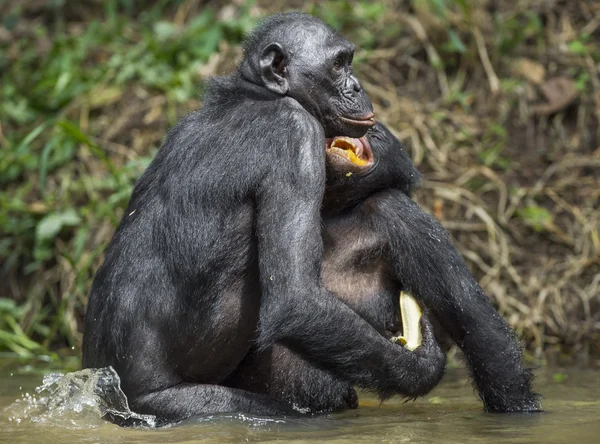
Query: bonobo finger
{"type": "Point", "coordinates": [427, 332]}
{"type": "Point", "coordinates": [430, 349]}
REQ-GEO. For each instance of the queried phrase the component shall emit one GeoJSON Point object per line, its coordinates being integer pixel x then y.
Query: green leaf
{"type": "Point", "coordinates": [440, 7]}
{"type": "Point", "coordinates": [559, 377]}
{"type": "Point", "coordinates": [8, 306]}
{"type": "Point", "coordinates": [24, 144]}
{"type": "Point", "coordinates": [164, 30]}
{"type": "Point", "coordinates": [75, 133]}
{"type": "Point", "coordinates": [49, 227]}
{"type": "Point", "coordinates": [455, 44]}
{"type": "Point", "coordinates": [582, 81]}
{"type": "Point", "coordinates": [44, 164]}
{"type": "Point", "coordinates": [536, 217]}
{"type": "Point", "coordinates": [62, 82]}
{"type": "Point", "coordinates": [577, 47]}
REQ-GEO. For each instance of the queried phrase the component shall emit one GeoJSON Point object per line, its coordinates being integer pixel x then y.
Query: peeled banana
{"type": "Point", "coordinates": [411, 328]}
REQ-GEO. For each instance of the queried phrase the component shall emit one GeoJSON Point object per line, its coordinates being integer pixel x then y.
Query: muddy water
{"type": "Point", "coordinates": [451, 414]}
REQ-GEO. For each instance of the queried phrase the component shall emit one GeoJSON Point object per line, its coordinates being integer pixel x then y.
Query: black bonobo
{"type": "Point", "coordinates": [378, 242]}
{"type": "Point", "coordinates": [220, 248]}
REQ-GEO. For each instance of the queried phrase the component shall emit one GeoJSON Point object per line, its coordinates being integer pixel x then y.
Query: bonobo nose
{"type": "Point", "coordinates": [352, 86]}
{"type": "Point", "coordinates": [357, 87]}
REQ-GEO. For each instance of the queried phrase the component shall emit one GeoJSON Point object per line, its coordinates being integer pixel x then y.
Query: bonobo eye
{"type": "Point", "coordinates": [375, 133]}
{"type": "Point", "coordinates": [338, 63]}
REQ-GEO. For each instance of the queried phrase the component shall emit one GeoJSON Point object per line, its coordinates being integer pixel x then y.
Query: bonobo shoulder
{"type": "Point", "coordinates": [298, 120]}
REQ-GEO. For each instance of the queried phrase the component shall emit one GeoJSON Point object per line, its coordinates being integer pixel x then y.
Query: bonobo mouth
{"type": "Point", "coordinates": [356, 151]}
{"type": "Point", "coordinates": [368, 120]}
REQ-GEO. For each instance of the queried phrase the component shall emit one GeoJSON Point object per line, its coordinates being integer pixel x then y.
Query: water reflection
{"type": "Point", "coordinates": [451, 414]}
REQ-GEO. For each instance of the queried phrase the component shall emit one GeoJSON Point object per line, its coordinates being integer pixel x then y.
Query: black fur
{"type": "Point", "coordinates": [220, 247]}
{"type": "Point", "coordinates": [377, 243]}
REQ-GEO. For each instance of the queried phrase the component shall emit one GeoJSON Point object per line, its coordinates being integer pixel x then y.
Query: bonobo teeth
{"type": "Point", "coordinates": [340, 152]}
{"type": "Point", "coordinates": [346, 143]}
{"type": "Point", "coordinates": [411, 329]}
{"type": "Point", "coordinates": [349, 148]}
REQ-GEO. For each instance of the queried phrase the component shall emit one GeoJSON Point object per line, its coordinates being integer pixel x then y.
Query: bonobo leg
{"type": "Point", "coordinates": [189, 400]}
{"type": "Point", "coordinates": [429, 266]}
{"type": "Point", "coordinates": [286, 376]}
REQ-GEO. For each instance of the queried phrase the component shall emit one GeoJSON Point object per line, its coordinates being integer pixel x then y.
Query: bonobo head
{"type": "Point", "coordinates": [358, 167]}
{"type": "Point", "coordinates": [299, 56]}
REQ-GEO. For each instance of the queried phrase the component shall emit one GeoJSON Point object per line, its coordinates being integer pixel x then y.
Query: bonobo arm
{"type": "Point", "coordinates": [428, 265]}
{"type": "Point", "coordinates": [295, 307]}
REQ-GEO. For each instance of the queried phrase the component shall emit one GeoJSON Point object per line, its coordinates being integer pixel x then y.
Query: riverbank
{"type": "Point", "coordinates": [499, 106]}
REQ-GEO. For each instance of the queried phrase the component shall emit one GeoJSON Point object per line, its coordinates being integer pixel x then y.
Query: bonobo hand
{"type": "Point", "coordinates": [430, 364]}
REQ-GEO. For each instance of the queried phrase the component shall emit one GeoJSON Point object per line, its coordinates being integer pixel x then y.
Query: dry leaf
{"type": "Point", "coordinates": [559, 92]}
{"type": "Point", "coordinates": [529, 70]}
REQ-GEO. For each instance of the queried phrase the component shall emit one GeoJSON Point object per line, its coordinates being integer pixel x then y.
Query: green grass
{"type": "Point", "coordinates": [89, 92]}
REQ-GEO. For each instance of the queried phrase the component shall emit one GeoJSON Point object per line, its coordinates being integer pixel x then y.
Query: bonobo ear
{"type": "Point", "coordinates": [273, 64]}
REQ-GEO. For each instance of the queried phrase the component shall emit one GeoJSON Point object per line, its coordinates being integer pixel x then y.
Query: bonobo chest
{"type": "Point", "coordinates": [356, 271]}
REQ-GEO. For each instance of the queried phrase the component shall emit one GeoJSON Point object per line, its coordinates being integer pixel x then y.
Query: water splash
{"type": "Point", "coordinates": [77, 399]}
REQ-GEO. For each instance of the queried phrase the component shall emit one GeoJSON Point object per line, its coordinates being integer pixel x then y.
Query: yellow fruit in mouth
{"type": "Point", "coordinates": [355, 159]}
{"type": "Point", "coordinates": [346, 147]}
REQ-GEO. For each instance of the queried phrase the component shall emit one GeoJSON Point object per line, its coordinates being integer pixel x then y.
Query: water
{"type": "Point", "coordinates": [68, 411]}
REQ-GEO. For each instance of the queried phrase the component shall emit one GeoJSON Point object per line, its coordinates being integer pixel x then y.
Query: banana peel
{"type": "Point", "coordinates": [411, 328]}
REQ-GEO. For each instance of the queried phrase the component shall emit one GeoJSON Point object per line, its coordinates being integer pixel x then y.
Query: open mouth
{"type": "Point", "coordinates": [356, 151]}
{"type": "Point", "coordinates": [368, 120]}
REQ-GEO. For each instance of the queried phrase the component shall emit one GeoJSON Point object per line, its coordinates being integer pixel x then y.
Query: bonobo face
{"type": "Point", "coordinates": [322, 80]}
{"type": "Point", "coordinates": [300, 56]}
{"type": "Point", "coordinates": [359, 167]}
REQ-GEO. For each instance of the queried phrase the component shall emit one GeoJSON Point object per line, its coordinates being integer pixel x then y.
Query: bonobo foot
{"type": "Point", "coordinates": [187, 400]}
{"type": "Point", "coordinates": [524, 405]}
{"type": "Point", "coordinates": [513, 398]}
{"type": "Point", "coordinates": [338, 396]}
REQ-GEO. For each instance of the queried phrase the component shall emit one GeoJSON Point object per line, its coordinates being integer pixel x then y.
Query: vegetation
{"type": "Point", "coordinates": [499, 103]}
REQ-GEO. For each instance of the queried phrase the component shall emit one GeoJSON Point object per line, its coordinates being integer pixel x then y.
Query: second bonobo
{"type": "Point", "coordinates": [378, 242]}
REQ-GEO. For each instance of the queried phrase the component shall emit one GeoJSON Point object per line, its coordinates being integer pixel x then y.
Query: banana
{"type": "Point", "coordinates": [411, 329]}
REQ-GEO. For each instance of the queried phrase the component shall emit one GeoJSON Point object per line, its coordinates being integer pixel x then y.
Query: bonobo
{"type": "Point", "coordinates": [220, 246]}
{"type": "Point", "coordinates": [378, 242]}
